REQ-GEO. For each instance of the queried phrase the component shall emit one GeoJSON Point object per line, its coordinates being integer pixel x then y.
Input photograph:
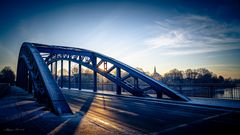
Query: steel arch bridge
{"type": "Point", "coordinates": [34, 75]}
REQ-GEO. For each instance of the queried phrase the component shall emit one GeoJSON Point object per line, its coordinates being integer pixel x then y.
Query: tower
{"type": "Point", "coordinates": [156, 75]}
{"type": "Point", "coordinates": [154, 72]}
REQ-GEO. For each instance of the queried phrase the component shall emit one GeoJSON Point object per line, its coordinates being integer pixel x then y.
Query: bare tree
{"type": "Point", "coordinates": [173, 75]}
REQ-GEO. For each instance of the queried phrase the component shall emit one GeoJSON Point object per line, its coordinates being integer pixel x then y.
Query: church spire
{"type": "Point", "coordinates": [155, 70]}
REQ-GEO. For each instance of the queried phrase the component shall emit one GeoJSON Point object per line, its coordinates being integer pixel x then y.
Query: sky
{"type": "Point", "coordinates": [167, 34]}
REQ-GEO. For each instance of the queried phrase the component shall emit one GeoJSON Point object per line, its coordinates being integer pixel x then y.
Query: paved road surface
{"type": "Point", "coordinates": [138, 116]}
{"type": "Point", "coordinates": [20, 114]}
{"type": "Point", "coordinates": [100, 114]}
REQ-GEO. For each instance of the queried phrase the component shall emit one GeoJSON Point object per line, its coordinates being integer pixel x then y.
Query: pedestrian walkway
{"type": "Point", "coordinates": [213, 102]}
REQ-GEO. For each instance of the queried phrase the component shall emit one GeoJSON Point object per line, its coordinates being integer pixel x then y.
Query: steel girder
{"type": "Point", "coordinates": [32, 68]}
{"type": "Point", "coordinates": [94, 60]}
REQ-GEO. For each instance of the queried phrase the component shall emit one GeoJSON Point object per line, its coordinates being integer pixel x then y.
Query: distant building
{"type": "Point", "coordinates": [156, 75]}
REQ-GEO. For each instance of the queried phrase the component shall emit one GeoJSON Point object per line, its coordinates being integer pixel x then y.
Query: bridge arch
{"type": "Point", "coordinates": [93, 60]}
{"type": "Point", "coordinates": [34, 60]}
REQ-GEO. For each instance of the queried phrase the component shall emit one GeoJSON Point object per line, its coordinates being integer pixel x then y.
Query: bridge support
{"type": "Point", "coordinates": [94, 62]}
{"type": "Point", "coordinates": [94, 81]}
{"type": "Point", "coordinates": [61, 73]}
{"type": "Point", "coordinates": [118, 75]}
{"type": "Point", "coordinates": [79, 76]}
{"type": "Point", "coordinates": [135, 82]}
{"type": "Point", "coordinates": [159, 94]}
{"type": "Point", "coordinates": [30, 83]}
{"type": "Point", "coordinates": [69, 74]}
{"type": "Point", "coordinates": [25, 79]}
{"type": "Point", "coordinates": [55, 70]}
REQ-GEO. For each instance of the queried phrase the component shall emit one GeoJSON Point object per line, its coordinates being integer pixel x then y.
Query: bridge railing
{"type": "Point", "coordinates": [197, 90]}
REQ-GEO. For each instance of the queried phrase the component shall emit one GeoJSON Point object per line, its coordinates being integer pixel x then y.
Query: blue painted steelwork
{"type": "Point", "coordinates": [69, 74]}
{"type": "Point", "coordinates": [79, 77]}
{"type": "Point", "coordinates": [61, 73]}
{"type": "Point", "coordinates": [33, 71]}
{"type": "Point", "coordinates": [32, 68]}
{"type": "Point", "coordinates": [94, 60]}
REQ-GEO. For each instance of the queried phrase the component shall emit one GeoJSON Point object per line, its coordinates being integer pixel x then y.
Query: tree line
{"type": "Point", "coordinates": [174, 76]}
{"type": "Point", "coordinates": [200, 75]}
{"type": "Point", "coordinates": [7, 75]}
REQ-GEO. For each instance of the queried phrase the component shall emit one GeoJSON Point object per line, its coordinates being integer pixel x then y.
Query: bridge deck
{"type": "Point", "coordinates": [103, 114]}
{"type": "Point", "coordinates": [207, 102]}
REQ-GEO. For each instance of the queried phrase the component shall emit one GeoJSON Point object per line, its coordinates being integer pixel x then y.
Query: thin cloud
{"type": "Point", "coordinates": [199, 50]}
{"type": "Point", "coordinates": [172, 39]}
{"type": "Point", "coordinates": [193, 34]}
{"type": "Point", "coordinates": [224, 65]}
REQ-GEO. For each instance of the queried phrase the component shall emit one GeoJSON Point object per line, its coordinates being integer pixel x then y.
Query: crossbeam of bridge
{"type": "Point", "coordinates": [33, 74]}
